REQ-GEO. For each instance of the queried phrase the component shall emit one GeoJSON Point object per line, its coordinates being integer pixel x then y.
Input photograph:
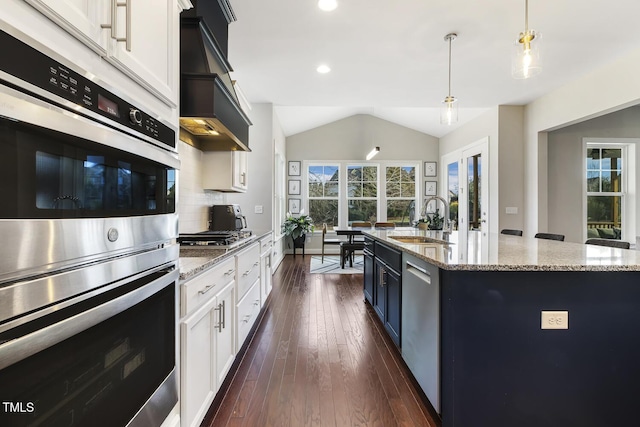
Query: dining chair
{"type": "Point", "coordinates": [326, 241]}
{"type": "Point", "coordinates": [384, 226]}
{"type": "Point", "coordinates": [511, 232]}
{"type": "Point", "coordinates": [608, 242]}
{"type": "Point", "coordinates": [550, 236]}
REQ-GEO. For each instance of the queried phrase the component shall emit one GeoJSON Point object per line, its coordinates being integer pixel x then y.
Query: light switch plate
{"type": "Point", "coordinates": [511, 210]}
{"type": "Point", "coordinates": [258, 209]}
{"type": "Point", "coordinates": [554, 320]}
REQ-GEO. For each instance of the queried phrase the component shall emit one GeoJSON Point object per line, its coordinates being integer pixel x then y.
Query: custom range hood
{"type": "Point", "coordinates": [211, 118]}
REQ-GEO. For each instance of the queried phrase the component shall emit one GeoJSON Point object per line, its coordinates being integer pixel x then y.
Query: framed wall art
{"type": "Point", "coordinates": [294, 168]}
{"type": "Point", "coordinates": [294, 206]}
{"type": "Point", "coordinates": [294, 187]}
{"type": "Point", "coordinates": [430, 168]}
{"type": "Point", "coordinates": [430, 188]}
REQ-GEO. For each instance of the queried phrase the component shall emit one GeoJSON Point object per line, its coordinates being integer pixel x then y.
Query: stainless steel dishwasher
{"type": "Point", "coordinates": [421, 324]}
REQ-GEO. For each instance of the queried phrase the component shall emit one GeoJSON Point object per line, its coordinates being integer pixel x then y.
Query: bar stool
{"type": "Point", "coordinates": [550, 236]}
{"type": "Point", "coordinates": [609, 242]}
{"type": "Point", "coordinates": [511, 232]}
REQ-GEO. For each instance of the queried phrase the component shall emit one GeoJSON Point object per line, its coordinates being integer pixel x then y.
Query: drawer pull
{"type": "Point", "coordinates": [206, 289]}
{"type": "Point", "coordinates": [257, 303]}
{"type": "Point", "coordinates": [246, 318]}
{"type": "Point", "coordinates": [231, 271]}
{"type": "Point", "coordinates": [246, 273]}
{"type": "Point", "coordinates": [256, 264]}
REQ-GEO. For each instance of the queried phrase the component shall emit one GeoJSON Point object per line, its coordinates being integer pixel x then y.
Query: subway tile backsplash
{"type": "Point", "coordinates": [193, 200]}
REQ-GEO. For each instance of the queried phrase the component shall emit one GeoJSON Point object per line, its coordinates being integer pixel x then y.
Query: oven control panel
{"type": "Point", "coordinates": [44, 72]}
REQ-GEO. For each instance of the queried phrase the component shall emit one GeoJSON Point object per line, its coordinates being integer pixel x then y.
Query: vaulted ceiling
{"type": "Point", "coordinates": [389, 58]}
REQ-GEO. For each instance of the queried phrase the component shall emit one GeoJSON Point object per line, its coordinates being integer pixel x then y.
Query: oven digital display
{"type": "Point", "coordinates": [108, 106]}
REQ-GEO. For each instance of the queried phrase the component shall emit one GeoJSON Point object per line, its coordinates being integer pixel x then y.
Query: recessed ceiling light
{"type": "Point", "coordinates": [327, 5]}
{"type": "Point", "coordinates": [323, 69]}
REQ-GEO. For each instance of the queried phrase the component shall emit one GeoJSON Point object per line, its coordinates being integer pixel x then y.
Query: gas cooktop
{"type": "Point", "coordinates": [214, 238]}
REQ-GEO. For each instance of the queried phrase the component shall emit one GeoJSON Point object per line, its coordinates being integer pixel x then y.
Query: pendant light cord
{"type": "Point", "coordinates": [526, 16]}
{"type": "Point", "coordinates": [449, 67]}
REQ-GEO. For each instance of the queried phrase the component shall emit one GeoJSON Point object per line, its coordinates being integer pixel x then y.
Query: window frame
{"type": "Point", "coordinates": [627, 209]}
{"type": "Point", "coordinates": [343, 209]}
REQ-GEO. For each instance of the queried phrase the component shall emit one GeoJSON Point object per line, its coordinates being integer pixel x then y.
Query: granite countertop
{"type": "Point", "coordinates": [194, 260]}
{"type": "Point", "coordinates": [499, 252]}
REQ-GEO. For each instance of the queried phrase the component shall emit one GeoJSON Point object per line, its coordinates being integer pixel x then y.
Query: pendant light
{"type": "Point", "coordinates": [526, 61]}
{"type": "Point", "coordinates": [449, 112]}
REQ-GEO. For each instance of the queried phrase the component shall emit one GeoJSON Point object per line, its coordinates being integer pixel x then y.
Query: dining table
{"type": "Point", "coordinates": [348, 248]}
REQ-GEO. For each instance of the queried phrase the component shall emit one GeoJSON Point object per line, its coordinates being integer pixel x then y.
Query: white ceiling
{"type": "Point", "coordinates": [389, 57]}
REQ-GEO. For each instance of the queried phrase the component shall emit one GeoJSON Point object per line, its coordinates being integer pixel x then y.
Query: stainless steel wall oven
{"type": "Point", "coordinates": [88, 261]}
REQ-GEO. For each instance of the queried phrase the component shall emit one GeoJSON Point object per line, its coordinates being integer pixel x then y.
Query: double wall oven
{"type": "Point", "coordinates": [88, 253]}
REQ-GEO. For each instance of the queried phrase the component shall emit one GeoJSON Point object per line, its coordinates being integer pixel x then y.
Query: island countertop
{"type": "Point", "coordinates": [499, 252]}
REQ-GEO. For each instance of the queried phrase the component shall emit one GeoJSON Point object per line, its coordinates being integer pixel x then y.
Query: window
{"type": "Point", "coordinates": [400, 194]}
{"type": "Point", "coordinates": [362, 193]}
{"type": "Point", "coordinates": [323, 194]}
{"type": "Point", "coordinates": [605, 191]}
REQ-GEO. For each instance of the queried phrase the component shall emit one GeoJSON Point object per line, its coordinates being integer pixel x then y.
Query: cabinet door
{"type": "Point", "coordinates": [265, 277]}
{"type": "Point", "coordinates": [151, 50]}
{"type": "Point", "coordinates": [80, 18]}
{"type": "Point", "coordinates": [225, 171]}
{"type": "Point", "coordinates": [239, 170]}
{"type": "Point", "coordinates": [224, 332]}
{"type": "Point", "coordinates": [379, 293]}
{"type": "Point", "coordinates": [197, 379]}
{"type": "Point", "coordinates": [369, 277]}
{"type": "Point", "coordinates": [394, 304]}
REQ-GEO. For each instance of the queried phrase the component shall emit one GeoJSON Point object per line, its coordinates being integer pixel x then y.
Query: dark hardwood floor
{"type": "Point", "coordinates": [319, 358]}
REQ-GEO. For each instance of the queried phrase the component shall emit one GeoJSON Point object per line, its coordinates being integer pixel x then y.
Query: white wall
{"type": "Point", "coordinates": [351, 139]}
{"type": "Point", "coordinates": [613, 87]}
{"type": "Point", "coordinates": [566, 172]}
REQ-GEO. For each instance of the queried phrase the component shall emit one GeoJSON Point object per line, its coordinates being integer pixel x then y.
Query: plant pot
{"type": "Point", "coordinates": [423, 226]}
{"type": "Point", "coordinates": [299, 241]}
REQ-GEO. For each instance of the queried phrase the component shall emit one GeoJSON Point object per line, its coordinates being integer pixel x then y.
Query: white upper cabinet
{"type": "Point", "coordinates": [139, 37]}
{"type": "Point", "coordinates": [146, 45]}
{"type": "Point", "coordinates": [81, 18]}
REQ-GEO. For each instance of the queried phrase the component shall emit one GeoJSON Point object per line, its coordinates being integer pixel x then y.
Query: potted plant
{"type": "Point", "coordinates": [297, 228]}
{"type": "Point", "coordinates": [432, 221]}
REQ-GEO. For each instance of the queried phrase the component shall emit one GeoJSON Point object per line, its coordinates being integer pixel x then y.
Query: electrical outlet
{"type": "Point", "coordinates": [511, 210]}
{"type": "Point", "coordinates": [554, 320]}
{"type": "Point", "coordinates": [258, 209]}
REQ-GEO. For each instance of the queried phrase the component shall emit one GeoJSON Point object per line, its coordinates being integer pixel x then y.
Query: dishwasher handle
{"type": "Point", "coordinates": [419, 272]}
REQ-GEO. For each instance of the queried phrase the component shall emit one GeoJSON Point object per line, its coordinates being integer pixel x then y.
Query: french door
{"type": "Point", "coordinates": [466, 173]}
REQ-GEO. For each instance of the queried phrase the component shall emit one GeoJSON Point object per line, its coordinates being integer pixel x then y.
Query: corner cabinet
{"type": "Point", "coordinates": [139, 37]}
{"type": "Point", "coordinates": [225, 171]}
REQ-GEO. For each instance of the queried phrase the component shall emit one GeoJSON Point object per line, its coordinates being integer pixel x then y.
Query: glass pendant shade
{"type": "Point", "coordinates": [526, 61]}
{"type": "Point", "coordinates": [449, 111]}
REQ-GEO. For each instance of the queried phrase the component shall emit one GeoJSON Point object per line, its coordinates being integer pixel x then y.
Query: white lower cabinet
{"type": "Point", "coordinates": [197, 361]}
{"type": "Point", "coordinates": [207, 337]}
{"type": "Point", "coordinates": [247, 312]}
{"type": "Point", "coordinates": [219, 307]}
{"type": "Point", "coordinates": [266, 245]}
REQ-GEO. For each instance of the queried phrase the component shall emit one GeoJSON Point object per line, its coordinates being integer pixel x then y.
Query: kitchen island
{"type": "Point", "coordinates": [471, 327]}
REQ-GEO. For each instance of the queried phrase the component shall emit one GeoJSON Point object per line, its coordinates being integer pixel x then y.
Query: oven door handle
{"type": "Point", "coordinates": [25, 346]}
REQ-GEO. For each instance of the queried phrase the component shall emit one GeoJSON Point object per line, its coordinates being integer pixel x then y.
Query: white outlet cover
{"type": "Point", "coordinates": [554, 320]}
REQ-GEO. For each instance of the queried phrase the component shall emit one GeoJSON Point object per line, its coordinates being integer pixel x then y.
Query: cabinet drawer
{"type": "Point", "coordinates": [390, 256]}
{"type": "Point", "coordinates": [248, 269]}
{"type": "Point", "coordinates": [247, 312]}
{"type": "Point", "coordinates": [204, 286]}
{"type": "Point", "coordinates": [265, 245]}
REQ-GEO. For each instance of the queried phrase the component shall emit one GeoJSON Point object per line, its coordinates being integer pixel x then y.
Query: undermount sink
{"type": "Point", "coordinates": [419, 240]}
